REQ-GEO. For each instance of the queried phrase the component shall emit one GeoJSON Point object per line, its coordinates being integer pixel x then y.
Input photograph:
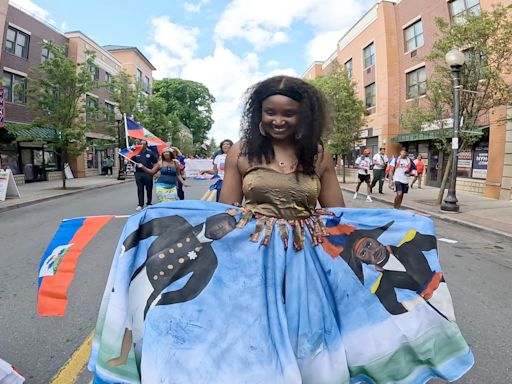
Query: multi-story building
{"type": "Point", "coordinates": [21, 51]}
{"type": "Point", "coordinates": [102, 139]}
{"type": "Point", "coordinates": [384, 54]}
{"type": "Point", "coordinates": [135, 64]}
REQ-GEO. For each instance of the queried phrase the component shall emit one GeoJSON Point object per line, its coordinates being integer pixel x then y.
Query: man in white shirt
{"type": "Point", "coordinates": [364, 163]}
{"type": "Point", "coordinates": [398, 176]}
{"type": "Point", "coordinates": [380, 162]}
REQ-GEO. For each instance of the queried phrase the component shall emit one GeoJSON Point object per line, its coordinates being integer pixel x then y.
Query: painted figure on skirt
{"type": "Point", "coordinates": [284, 295]}
{"type": "Point", "coordinates": [219, 161]}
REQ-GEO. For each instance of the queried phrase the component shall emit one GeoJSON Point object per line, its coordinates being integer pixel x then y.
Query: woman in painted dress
{"type": "Point", "coordinates": [277, 291]}
{"type": "Point", "coordinates": [170, 176]}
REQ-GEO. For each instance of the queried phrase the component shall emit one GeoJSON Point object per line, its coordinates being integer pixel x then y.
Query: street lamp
{"type": "Point", "coordinates": [119, 118]}
{"type": "Point", "coordinates": [455, 59]}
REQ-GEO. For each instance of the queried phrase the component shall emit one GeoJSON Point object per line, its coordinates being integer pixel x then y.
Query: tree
{"type": "Point", "coordinates": [152, 114]}
{"type": "Point", "coordinates": [348, 112]}
{"type": "Point", "coordinates": [57, 91]}
{"type": "Point", "coordinates": [486, 40]}
{"type": "Point", "coordinates": [190, 101]}
{"type": "Point", "coordinates": [124, 93]}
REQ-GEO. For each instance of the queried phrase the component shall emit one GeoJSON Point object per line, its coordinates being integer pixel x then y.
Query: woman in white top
{"type": "Point", "coordinates": [218, 169]}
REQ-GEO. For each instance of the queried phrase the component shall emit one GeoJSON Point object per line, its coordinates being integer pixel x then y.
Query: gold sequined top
{"type": "Point", "coordinates": [282, 195]}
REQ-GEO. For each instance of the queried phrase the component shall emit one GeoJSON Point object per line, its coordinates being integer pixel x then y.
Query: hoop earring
{"type": "Point", "coordinates": [262, 131]}
{"type": "Point", "coordinates": [298, 136]}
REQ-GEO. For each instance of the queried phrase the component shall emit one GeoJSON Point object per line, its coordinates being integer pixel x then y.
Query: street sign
{"type": "Point", "coordinates": [2, 107]}
{"type": "Point", "coordinates": [8, 187]}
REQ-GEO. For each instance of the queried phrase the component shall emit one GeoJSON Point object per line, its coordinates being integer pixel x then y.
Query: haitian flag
{"type": "Point", "coordinates": [130, 152]}
{"type": "Point", "coordinates": [137, 131]}
{"type": "Point", "coordinates": [57, 266]}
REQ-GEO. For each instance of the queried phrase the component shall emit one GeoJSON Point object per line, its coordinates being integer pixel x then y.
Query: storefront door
{"type": "Point", "coordinates": [437, 162]}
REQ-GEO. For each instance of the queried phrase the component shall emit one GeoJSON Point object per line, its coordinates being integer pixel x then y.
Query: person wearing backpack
{"type": "Point", "coordinates": [400, 169]}
{"type": "Point", "coordinates": [380, 162]}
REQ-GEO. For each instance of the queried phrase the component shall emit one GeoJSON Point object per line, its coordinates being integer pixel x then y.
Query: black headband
{"type": "Point", "coordinates": [292, 94]}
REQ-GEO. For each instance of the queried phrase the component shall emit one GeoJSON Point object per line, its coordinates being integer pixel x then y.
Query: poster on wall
{"type": "Point", "coordinates": [8, 187]}
{"type": "Point", "coordinates": [464, 163]}
{"type": "Point", "coordinates": [480, 158]}
{"type": "Point", "coordinates": [2, 107]}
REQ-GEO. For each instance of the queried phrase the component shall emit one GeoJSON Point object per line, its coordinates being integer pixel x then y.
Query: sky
{"type": "Point", "coordinates": [227, 45]}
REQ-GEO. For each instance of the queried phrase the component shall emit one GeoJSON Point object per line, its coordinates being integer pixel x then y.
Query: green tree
{"type": "Point", "coordinates": [57, 90]}
{"type": "Point", "coordinates": [190, 101]}
{"type": "Point", "coordinates": [348, 112]}
{"type": "Point", "coordinates": [152, 114]}
{"type": "Point", "coordinates": [486, 40]}
{"type": "Point", "coordinates": [124, 93]}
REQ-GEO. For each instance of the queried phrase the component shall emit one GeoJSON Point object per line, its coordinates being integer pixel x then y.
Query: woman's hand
{"type": "Point", "coordinates": [139, 165]}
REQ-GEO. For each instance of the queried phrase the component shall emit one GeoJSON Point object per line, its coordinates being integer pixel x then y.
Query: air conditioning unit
{"type": "Point", "coordinates": [369, 70]}
{"type": "Point", "coordinates": [414, 53]}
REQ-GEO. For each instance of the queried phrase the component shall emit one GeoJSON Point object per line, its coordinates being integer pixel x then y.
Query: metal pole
{"type": "Point", "coordinates": [120, 175]}
{"type": "Point", "coordinates": [450, 202]}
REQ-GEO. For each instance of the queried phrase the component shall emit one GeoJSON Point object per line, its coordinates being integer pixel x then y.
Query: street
{"type": "Point", "coordinates": [477, 267]}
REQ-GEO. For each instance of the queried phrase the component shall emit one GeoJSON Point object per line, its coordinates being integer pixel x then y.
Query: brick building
{"type": "Point", "coordinates": [383, 53]}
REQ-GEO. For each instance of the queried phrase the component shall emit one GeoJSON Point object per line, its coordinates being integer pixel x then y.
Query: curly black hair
{"type": "Point", "coordinates": [313, 121]}
{"type": "Point", "coordinates": [225, 141]}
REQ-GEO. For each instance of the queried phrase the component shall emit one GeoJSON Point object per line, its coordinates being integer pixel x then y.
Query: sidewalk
{"type": "Point", "coordinates": [476, 211]}
{"type": "Point", "coordinates": [33, 193]}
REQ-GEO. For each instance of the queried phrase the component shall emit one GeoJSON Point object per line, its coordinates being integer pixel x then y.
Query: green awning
{"type": "Point", "coordinates": [419, 136]}
{"type": "Point", "coordinates": [28, 133]}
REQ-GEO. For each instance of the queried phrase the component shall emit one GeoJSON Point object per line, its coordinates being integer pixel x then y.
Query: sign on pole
{"type": "Point", "coordinates": [2, 107]}
{"type": "Point", "coordinates": [8, 187]}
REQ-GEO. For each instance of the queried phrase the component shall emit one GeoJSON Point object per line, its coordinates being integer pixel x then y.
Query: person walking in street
{"type": "Point", "coordinates": [144, 180]}
{"type": "Point", "coordinates": [380, 162]}
{"type": "Point", "coordinates": [170, 175]}
{"type": "Point", "coordinates": [181, 159]}
{"type": "Point", "coordinates": [418, 173]}
{"type": "Point", "coordinates": [398, 176]}
{"type": "Point", "coordinates": [218, 169]}
{"type": "Point", "coordinates": [364, 164]}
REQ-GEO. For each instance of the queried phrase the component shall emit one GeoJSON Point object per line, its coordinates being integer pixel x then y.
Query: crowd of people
{"type": "Point", "coordinates": [267, 287]}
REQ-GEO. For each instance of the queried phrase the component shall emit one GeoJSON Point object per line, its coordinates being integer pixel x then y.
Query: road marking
{"type": "Point", "coordinates": [449, 241]}
{"type": "Point", "coordinates": [75, 365]}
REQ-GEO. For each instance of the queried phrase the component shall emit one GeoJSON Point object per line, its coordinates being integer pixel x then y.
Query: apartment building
{"type": "Point", "coordinates": [21, 51]}
{"type": "Point", "coordinates": [135, 64]}
{"type": "Point", "coordinates": [384, 54]}
{"type": "Point", "coordinates": [102, 139]}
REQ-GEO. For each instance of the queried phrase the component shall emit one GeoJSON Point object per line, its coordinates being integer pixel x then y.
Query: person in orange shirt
{"type": "Point", "coordinates": [420, 168]}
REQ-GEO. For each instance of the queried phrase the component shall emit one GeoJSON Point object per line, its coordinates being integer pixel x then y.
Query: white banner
{"type": "Point", "coordinates": [8, 187]}
{"type": "Point", "coordinates": [194, 166]}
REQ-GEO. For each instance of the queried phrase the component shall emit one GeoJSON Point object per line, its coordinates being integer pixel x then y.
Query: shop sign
{"type": "Point", "coordinates": [2, 107]}
{"type": "Point", "coordinates": [480, 159]}
{"type": "Point", "coordinates": [464, 160]}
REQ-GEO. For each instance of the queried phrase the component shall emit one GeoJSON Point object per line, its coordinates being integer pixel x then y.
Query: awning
{"type": "Point", "coordinates": [419, 136]}
{"type": "Point", "coordinates": [28, 133]}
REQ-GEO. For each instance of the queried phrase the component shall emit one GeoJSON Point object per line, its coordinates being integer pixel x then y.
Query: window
{"type": "Point", "coordinates": [108, 77]}
{"type": "Point", "coordinates": [91, 107]}
{"type": "Point", "coordinates": [46, 54]}
{"type": "Point", "coordinates": [413, 36]}
{"type": "Point", "coordinates": [416, 83]}
{"type": "Point", "coordinates": [15, 88]}
{"type": "Point", "coordinates": [109, 112]}
{"type": "Point", "coordinates": [138, 76]}
{"type": "Point", "coordinates": [369, 55]}
{"type": "Point", "coordinates": [348, 68]}
{"type": "Point", "coordinates": [370, 99]}
{"type": "Point", "coordinates": [16, 42]}
{"type": "Point", "coordinates": [459, 9]}
{"type": "Point", "coordinates": [146, 84]}
{"type": "Point", "coordinates": [95, 71]}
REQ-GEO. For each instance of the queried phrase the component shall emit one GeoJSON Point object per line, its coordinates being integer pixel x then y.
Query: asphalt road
{"type": "Point", "coordinates": [478, 268]}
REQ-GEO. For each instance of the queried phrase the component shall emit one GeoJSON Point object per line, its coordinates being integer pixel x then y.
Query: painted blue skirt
{"type": "Point", "coordinates": [201, 292]}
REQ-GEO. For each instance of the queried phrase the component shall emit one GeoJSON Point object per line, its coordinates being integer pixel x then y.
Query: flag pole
{"type": "Point", "coordinates": [125, 130]}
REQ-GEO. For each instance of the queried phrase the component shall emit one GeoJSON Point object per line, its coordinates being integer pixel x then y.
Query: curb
{"type": "Point", "coordinates": [41, 200]}
{"type": "Point", "coordinates": [442, 216]}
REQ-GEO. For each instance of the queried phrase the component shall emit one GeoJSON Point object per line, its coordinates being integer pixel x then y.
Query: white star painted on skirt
{"type": "Point", "coordinates": [192, 255]}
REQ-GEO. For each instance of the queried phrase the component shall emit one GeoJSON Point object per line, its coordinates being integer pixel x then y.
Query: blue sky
{"type": "Point", "coordinates": [225, 44]}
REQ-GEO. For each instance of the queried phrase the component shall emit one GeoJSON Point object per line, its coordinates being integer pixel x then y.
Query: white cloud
{"type": "Point", "coordinates": [194, 8]}
{"type": "Point", "coordinates": [64, 26]}
{"type": "Point", "coordinates": [33, 8]}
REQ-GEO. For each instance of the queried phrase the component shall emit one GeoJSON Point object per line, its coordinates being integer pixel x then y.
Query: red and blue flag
{"type": "Point", "coordinates": [137, 131]}
{"type": "Point", "coordinates": [57, 266]}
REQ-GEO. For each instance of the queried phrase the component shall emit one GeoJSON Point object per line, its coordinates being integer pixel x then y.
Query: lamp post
{"type": "Point", "coordinates": [119, 118]}
{"type": "Point", "coordinates": [455, 59]}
